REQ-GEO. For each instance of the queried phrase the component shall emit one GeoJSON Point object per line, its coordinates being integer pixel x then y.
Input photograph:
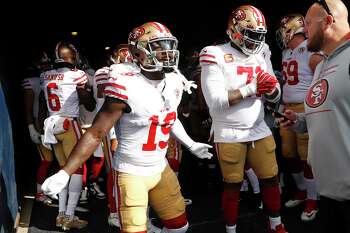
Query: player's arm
{"type": "Point", "coordinates": [215, 93]}
{"type": "Point", "coordinates": [314, 60]}
{"type": "Point", "coordinates": [28, 105]}
{"type": "Point", "coordinates": [110, 112]}
{"type": "Point", "coordinates": [198, 149]}
{"type": "Point", "coordinates": [42, 114]}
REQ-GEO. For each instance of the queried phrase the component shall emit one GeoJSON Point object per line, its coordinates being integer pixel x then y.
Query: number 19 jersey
{"type": "Point", "coordinates": [143, 133]}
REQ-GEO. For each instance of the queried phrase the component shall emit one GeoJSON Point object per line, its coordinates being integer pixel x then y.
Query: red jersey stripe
{"type": "Point", "coordinates": [115, 94]}
{"type": "Point", "coordinates": [99, 79]}
{"type": "Point", "coordinates": [101, 74]}
{"type": "Point", "coordinates": [207, 55]}
{"type": "Point", "coordinates": [81, 79]}
{"type": "Point", "coordinates": [208, 61]}
{"type": "Point", "coordinates": [116, 86]}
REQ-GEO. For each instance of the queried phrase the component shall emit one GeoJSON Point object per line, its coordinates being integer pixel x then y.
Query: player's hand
{"type": "Point", "coordinates": [266, 83]}
{"type": "Point", "coordinates": [201, 150]}
{"type": "Point", "coordinates": [34, 135]}
{"type": "Point", "coordinates": [114, 144]}
{"type": "Point", "coordinates": [289, 118]}
{"type": "Point", "coordinates": [188, 85]}
{"type": "Point", "coordinates": [55, 184]}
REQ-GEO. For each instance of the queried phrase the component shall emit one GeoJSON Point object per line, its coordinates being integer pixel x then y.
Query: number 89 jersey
{"type": "Point", "coordinates": [143, 132]}
{"type": "Point", "coordinates": [296, 73]}
{"type": "Point", "coordinates": [60, 88]}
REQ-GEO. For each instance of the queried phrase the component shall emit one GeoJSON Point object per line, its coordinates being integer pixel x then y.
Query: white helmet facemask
{"type": "Point", "coordinates": [160, 53]}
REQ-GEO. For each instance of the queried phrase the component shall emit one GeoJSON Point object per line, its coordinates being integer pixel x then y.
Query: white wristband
{"type": "Point", "coordinates": [248, 90]}
{"type": "Point", "coordinates": [31, 127]}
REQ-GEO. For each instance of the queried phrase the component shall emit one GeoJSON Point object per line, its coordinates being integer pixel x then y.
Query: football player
{"type": "Point", "coordinates": [64, 89]}
{"type": "Point", "coordinates": [120, 54]}
{"type": "Point", "coordinates": [298, 67]}
{"type": "Point", "coordinates": [235, 78]}
{"type": "Point", "coordinates": [31, 87]}
{"type": "Point", "coordinates": [143, 98]}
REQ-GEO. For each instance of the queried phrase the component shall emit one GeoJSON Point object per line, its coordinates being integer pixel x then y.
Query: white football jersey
{"type": "Point", "coordinates": [33, 84]}
{"type": "Point", "coordinates": [296, 73]}
{"type": "Point", "coordinates": [60, 88]}
{"type": "Point", "coordinates": [143, 133]}
{"type": "Point", "coordinates": [101, 78]}
{"type": "Point", "coordinates": [225, 68]}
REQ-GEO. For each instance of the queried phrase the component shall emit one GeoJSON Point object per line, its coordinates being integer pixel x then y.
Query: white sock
{"type": "Point", "coordinates": [253, 180]}
{"type": "Point", "coordinates": [231, 229]}
{"type": "Point", "coordinates": [299, 180]}
{"type": "Point", "coordinates": [62, 200]}
{"type": "Point", "coordinates": [179, 230]}
{"type": "Point", "coordinates": [244, 186]}
{"type": "Point", "coordinates": [75, 186]}
{"type": "Point", "coordinates": [38, 188]}
{"type": "Point", "coordinates": [311, 189]}
{"type": "Point", "coordinates": [274, 222]}
{"type": "Point", "coordinates": [281, 180]}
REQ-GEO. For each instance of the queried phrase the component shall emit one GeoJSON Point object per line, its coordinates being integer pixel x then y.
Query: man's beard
{"type": "Point", "coordinates": [316, 44]}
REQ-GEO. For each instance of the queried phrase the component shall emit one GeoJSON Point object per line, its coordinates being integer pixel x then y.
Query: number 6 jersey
{"type": "Point", "coordinates": [59, 86]}
{"type": "Point", "coordinates": [143, 132]}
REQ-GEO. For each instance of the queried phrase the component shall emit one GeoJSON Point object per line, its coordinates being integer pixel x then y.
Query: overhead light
{"type": "Point", "coordinates": [74, 33]}
{"type": "Point", "coordinates": [107, 48]}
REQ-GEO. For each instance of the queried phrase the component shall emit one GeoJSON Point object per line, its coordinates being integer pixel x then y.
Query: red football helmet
{"type": "Point", "coordinates": [153, 47]}
{"type": "Point", "coordinates": [247, 29]}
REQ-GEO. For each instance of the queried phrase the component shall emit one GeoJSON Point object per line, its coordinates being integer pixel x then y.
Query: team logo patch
{"type": "Point", "coordinates": [137, 34]}
{"type": "Point", "coordinates": [317, 94]}
{"type": "Point", "coordinates": [301, 50]}
{"type": "Point", "coordinates": [228, 58]}
{"type": "Point", "coordinates": [239, 15]}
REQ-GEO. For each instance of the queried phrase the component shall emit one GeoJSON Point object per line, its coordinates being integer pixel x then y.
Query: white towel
{"type": "Point", "coordinates": [53, 125]}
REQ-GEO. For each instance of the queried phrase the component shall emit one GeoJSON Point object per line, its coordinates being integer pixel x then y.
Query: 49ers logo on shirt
{"type": "Point", "coordinates": [317, 94]}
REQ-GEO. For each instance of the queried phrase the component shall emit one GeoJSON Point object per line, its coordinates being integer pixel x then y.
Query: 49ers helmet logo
{"type": "Point", "coordinates": [136, 34]}
{"type": "Point", "coordinates": [239, 15]}
{"type": "Point", "coordinates": [317, 94]}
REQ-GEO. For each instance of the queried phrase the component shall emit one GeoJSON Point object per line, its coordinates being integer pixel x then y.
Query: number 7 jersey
{"type": "Point", "coordinates": [143, 133]}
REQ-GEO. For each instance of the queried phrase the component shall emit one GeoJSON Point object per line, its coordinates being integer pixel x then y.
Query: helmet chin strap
{"type": "Point", "coordinates": [154, 69]}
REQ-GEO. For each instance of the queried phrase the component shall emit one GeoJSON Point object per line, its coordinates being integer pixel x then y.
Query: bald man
{"type": "Point", "coordinates": [327, 112]}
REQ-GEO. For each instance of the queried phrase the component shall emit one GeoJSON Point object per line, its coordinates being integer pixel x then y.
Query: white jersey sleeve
{"type": "Point", "coordinates": [101, 75]}
{"type": "Point", "coordinates": [213, 80]}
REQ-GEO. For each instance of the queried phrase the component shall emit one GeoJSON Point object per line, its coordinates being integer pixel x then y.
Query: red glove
{"type": "Point", "coordinates": [266, 83]}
